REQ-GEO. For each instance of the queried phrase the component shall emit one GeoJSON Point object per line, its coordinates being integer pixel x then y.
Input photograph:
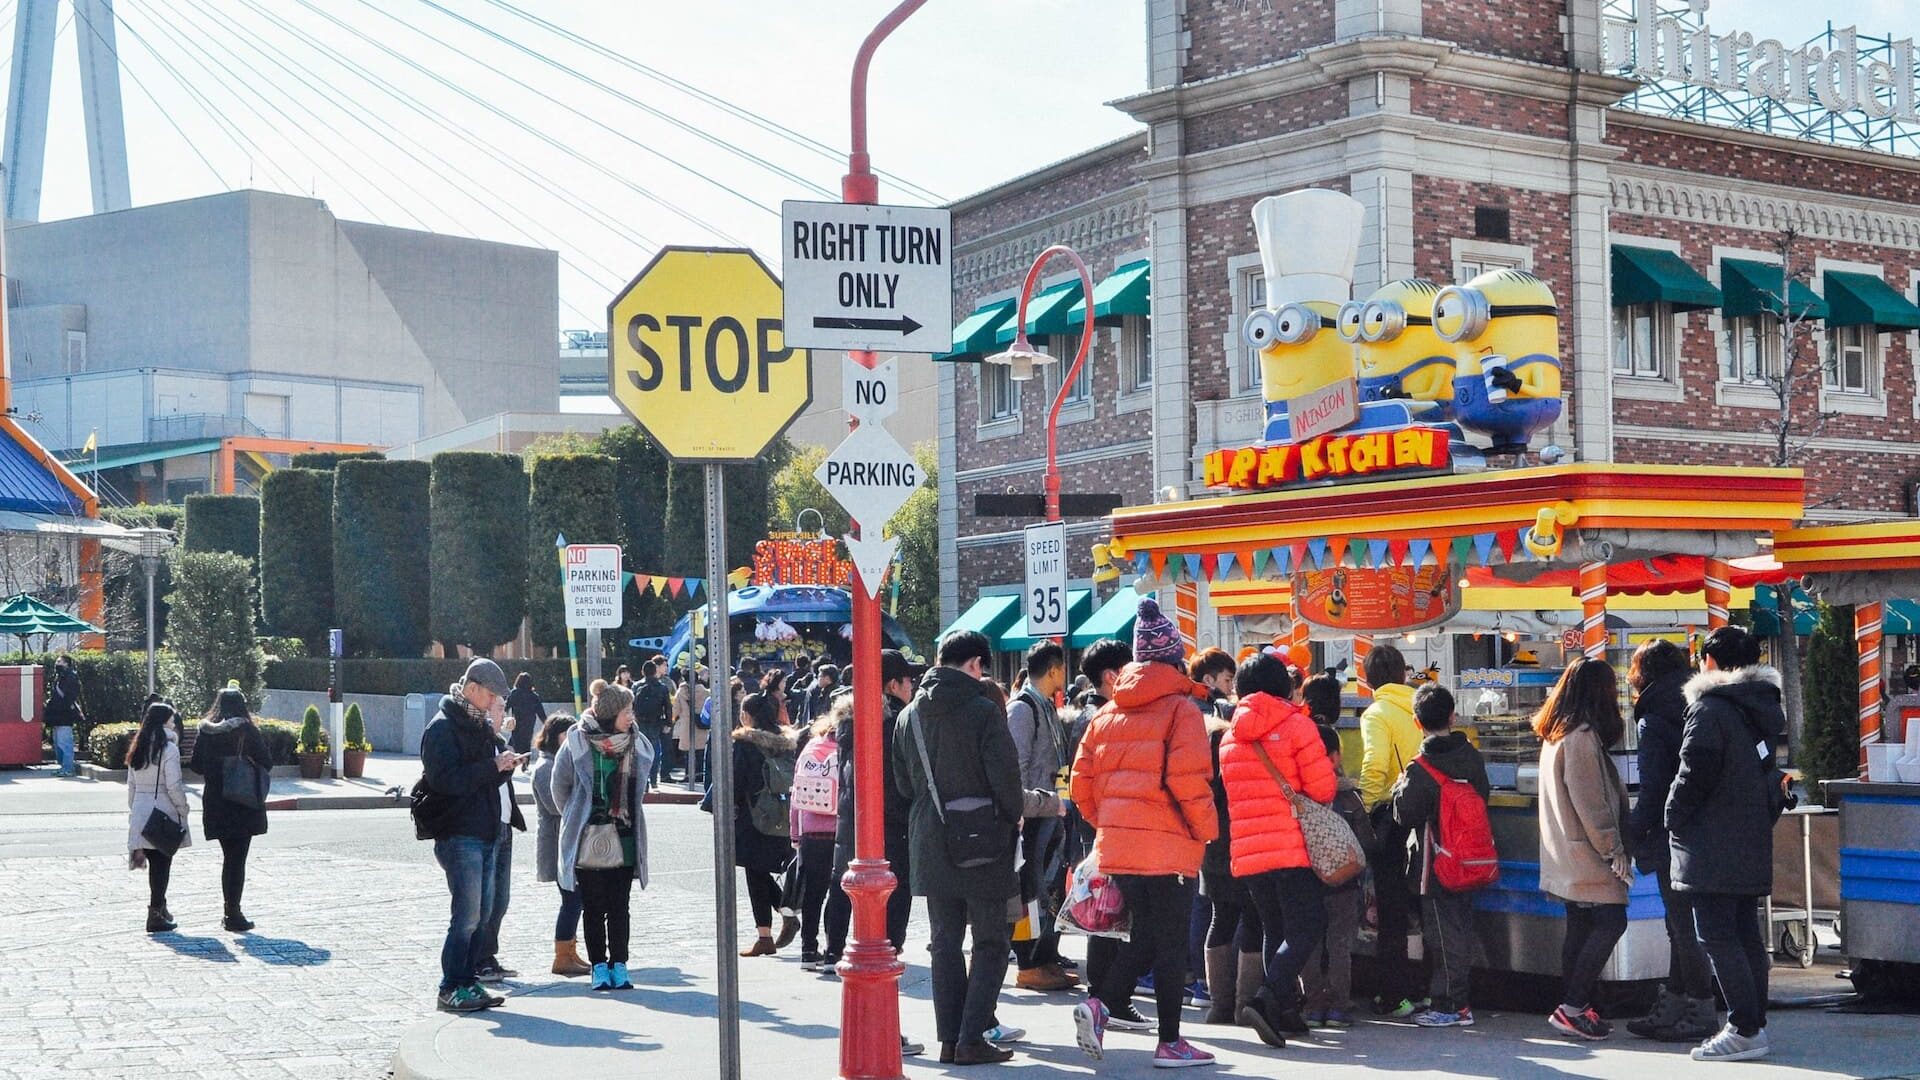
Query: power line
{"type": "Point", "coordinates": [837, 156]}
{"type": "Point", "coordinates": [141, 84]}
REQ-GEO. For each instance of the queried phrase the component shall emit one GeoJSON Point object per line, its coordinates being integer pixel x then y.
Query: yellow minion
{"type": "Point", "coordinates": [1399, 357]}
{"type": "Point", "coordinates": [1309, 240]}
{"type": "Point", "coordinates": [1505, 329]}
{"type": "Point", "coordinates": [1337, 598]}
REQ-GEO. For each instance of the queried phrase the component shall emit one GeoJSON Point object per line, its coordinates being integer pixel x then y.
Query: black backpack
{"type": "Point", "coordinates": [430, 810]}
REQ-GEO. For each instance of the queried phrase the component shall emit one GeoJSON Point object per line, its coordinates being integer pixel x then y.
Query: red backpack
{"type": "Point", "coordinates": [1459, 843]}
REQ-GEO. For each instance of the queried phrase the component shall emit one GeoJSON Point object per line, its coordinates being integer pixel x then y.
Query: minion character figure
{"type": "Point", "coordinates": [1505, 329]}
{"type": "Point", "coordinates": [1398, 355]}
{"type": "Point", "coordinates": [1309, 240]}
{"type": "Point", "coordinates": [1337, 599]}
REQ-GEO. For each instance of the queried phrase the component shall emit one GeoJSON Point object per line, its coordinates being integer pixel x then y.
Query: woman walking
{"type": "Point", "coordinates": [566, 948]}
{"type": "Point", "coordinates": [599, 783]}
{"type": "Point", "coordinates": [1141, 778]}
{"type": "Point", "coordinates": [153, 784]}
{"type": "Point", "coordinates": [232, 819]}
{"type": "Point", "coordinates": [1273, 740]}
{"type": "Point", "coordinates": [525, 713]}
{"type": "Point", "coordinates": [762, 747]}
{"type": "Point", "coordinates": [1721, 810]}
{"type": "Point", "coordinates": [690, 724]}
{"type": "Point", "coordinates": [1235, 963]}
{"type": "Point", "coordinates": [813, 818]}
{"type": "Point", "coordinates": [1684, 1010]}
{"type": "Point", "coordinates": [1583, 833]}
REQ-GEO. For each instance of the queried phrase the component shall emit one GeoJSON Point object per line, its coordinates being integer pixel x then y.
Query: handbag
{"type": "Point", "coordinates": [1332, 849]}
{"type": "Point", "coordinates": [161, 830]}
{"type": "Point", "coordinates": [244, 782]}
{"type": "Point", "coordinates": [975, 836]}
{"type": "Point", "coordinates": [600, 848]}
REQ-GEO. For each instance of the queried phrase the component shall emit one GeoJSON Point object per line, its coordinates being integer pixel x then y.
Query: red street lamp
{"type": "Point", "coordinates": [1024, 360]}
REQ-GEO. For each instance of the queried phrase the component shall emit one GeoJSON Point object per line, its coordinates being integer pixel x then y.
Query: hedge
{"type": "Point", "coordinates": [479, 550]}
{"type": "Point", "coordinates": [213, 642]}
{"type": "Point", "coordinates": [572, 494]}
{"type": "Point", "coordinates": [108, 744]}
{"type": "Point", "coordinates": [113, 686]}
{"type": "Point", "coordinates": [1830, 734]}
{"type": "Point", "coordinates": [327, 460]}
{"type": "Point", "coordinates": [422, 676]}
{"type": "Point", "coordinates": [170, 516]}
{"type": "Point", "coordinates": [381, 548]}
{"type": "Point", "coordinates": [296, 554]}
{"type": "Point", "coordinates": [223, 523]}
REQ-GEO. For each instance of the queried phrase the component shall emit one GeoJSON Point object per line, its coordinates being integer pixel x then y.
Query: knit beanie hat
{"type": "Point", "coordinates": [1154, 636]}
{"type": "Point", "coordinates": [608, 702]}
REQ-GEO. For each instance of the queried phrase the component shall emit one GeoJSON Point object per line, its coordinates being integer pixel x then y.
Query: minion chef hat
{"type": "Point", "coordinates": [1309, 240]}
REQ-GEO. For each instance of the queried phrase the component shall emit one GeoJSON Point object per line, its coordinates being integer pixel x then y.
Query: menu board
{"type": "Point", "coordinates": [1394, 599]}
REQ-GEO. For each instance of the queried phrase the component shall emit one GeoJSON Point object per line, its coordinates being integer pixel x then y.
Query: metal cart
{"type": "Point", "coordinates": [1792, 931]}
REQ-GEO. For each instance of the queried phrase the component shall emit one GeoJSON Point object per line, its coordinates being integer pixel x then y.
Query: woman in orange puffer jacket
{"type": "Point", "coordinates": [1142, 777]}
{"type": "Point", "coordinates": [1269, 850]}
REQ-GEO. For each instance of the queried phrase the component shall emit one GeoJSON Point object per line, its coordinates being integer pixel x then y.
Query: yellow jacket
{"type": "Point", "coordinates": [1389, 740]}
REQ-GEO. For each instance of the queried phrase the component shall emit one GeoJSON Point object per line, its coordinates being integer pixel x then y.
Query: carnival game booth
{"type": "Point", "coordinates": [1374, 557]}
{"type": "Point", "coordinates": [777, 624]}
{"type": "Point", "coordinates": [1866, 565]}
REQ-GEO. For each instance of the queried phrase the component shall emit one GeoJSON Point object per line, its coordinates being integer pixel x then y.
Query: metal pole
{"type": "Point", "coordinates": [152, 566]}
{"type": "Point", "coordinates": [593, 654]}
{"type": "Point", "coordinates": [720, 762]}
{"type": "Point", "coordinates": [573, 650]}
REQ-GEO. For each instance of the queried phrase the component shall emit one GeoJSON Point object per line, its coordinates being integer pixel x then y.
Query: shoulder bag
{"type": "Point", "coordinates": [242, 780]}
{"type": "Point", "coordinates": [1332, 849]}
{"type": "Point", "coordinates": [975, 836]}
{"type": "Point", "coordinates": [161, 830]}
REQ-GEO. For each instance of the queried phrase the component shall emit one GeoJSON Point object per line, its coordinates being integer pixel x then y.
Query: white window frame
{"type": "Point", "coordinates": [1840, 341]}
{"type": "Point", "coordinates": [1061, 347]}
{"type": "Point", "coordinates": [1246, 279]}
{"type": "Point", "coordinates": [1670, 386]}
{"type": "Point", "coordinates": [1871, 400]}
{"type": "Point", "coordinates": [1740, 393]}
{"type": "Point", "coordinates": [1765, 329]}
{"type": "Point", "coordinates": [1471, 257]}
{"type": "Point", "coordinates": [1133, 344]}
{"type": "Point", "coordinates": [998, 425]}
{"type": "Point", "coordinates": [1658, 363]}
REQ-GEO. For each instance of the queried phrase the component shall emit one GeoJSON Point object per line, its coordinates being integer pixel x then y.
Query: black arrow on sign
{"type": "Point", "coordinates": [902, 325]}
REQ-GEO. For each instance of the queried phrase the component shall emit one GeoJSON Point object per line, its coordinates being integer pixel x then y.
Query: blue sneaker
{"type": "Point", "coordinates": [1197, 993]}
{"type": "Point", "coordinates": [617, 978]}
{"type": "Point", "coordinates": [1144, 983]}
{"type": "Point", "coordinates": [602, 978]}
{"type": "Point", "coordinates": [1436, 1018]}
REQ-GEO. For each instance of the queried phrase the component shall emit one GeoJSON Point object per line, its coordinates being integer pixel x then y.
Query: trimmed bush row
{"type": "Point", "coordinates": [424, 676]}
{"type": "Point", "coordinates": [113, 686]}
{"type": "Point", "coordinates": [107, 743]}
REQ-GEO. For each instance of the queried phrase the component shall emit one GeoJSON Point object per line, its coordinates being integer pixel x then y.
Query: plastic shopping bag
{"type": "Point", "coordinates": [1094, 906]}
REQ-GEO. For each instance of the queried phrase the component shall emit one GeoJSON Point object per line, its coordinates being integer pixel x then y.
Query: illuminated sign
{"type": "Point", "coordinates": [815, 561]}
{"type": "Point", "coordinates": [1359, 456]}
{"type": "Point", "coordinates": [1395, 599]}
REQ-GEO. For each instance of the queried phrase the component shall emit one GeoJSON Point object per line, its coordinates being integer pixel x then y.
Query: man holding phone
{"type": "Point", "coordinates": [466, 761]}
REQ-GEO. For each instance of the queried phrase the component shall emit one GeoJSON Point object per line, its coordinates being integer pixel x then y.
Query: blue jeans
{"type": "Point", "coordinates": [659, 741]}
{"type": "Point", "coordinates": [63, 748]}
{"type": "Point", "coordinates": [469, 866]}
{"type": "Point", "coordinates": [486, 946]}
{"type": "Point", "coordinates": [566, 927]}
{"type": "Point", "coordinates": [1729, 929]}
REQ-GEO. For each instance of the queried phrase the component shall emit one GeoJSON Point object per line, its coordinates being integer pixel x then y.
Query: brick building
{"type": "Point", "coordinates": [1522, 134]}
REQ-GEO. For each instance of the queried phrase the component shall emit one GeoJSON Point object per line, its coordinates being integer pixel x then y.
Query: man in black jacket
{"type": "Point", "coordinates": [471, 773]}
{"type": "Point", "coordinates": [62, 712]}
{"type": "Point", "coordinates": [652, 715]}
{"type": "Point", "coordinates": [953, 739]}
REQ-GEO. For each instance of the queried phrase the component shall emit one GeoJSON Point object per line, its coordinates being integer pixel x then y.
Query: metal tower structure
{"type": "Point", "coordinates": [29, 88]}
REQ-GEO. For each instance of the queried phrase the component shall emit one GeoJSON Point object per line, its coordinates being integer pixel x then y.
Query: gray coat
{"type": "Point", "coordinates": [546, 844]}
{"type": "Point", "coordinates": [572, 791]}
{"type": "Point", "coordinates": [1038, 738]}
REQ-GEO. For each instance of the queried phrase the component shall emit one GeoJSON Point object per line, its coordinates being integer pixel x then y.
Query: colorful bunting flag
{"type": "Point", "coordinates": [738, 579]}
{"type": "Point", "coordinates": [1508, 540]}
{"type": "Point", "coordinates": [1359, 553]}
{"type": "Point", "coordinates": [1223, 563]}
{"type": "Point", "coordinates": [675, 585]}
{"type": "Point", "coordinates": [694, 585]}
{"type": "Point", "coordinates": [1483, 547]}
{"type": "Point", "coordinates": [1158, 560]}
{"type": "Point", "coordinates": [1318, 547]}
{"type": "Point", "coordinates": [1261, 556]}
{"type": "Point", "coordinates": [1193, 566]}
{"type": "Point", "coordinates": [659, 585]}
{"type": "Point", "coordinates": [1416, 551]}
{"type": "Point", "coordinates": [1462, 547]}
{"type": "Point", "coordinates": [1296, 557]}
{"type": "Point", "coordinates": [1377, 553]}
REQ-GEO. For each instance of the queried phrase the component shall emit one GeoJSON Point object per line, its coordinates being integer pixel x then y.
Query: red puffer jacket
{"type": "Point", "coordinates": [1143, 775]}
{"type": "Point", "coordinates": [1265, 834]}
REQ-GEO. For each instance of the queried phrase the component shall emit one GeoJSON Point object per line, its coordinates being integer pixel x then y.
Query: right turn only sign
{"type": "Point", "coordinates": [868, 278]}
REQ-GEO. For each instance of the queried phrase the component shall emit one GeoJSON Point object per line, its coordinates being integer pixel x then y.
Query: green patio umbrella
{"type": "Point", "coordinates": [24, 615]}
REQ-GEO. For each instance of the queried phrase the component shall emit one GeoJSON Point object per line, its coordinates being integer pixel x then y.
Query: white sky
{"type": "Point", "coordinates": [969, 92]}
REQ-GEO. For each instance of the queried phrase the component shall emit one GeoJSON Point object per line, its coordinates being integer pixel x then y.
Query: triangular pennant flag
{"type": "Point", "coordinates": [1245, 559]}
{"type": "Point", "coordinates": [1261, 556]}
{"type": "Point", "coordinates": [1462, 551]}
{"type": "Point", "coordinates": [1318, 547]}
{"type": "Point", "coordinates": [1193, 566]}
{"type": "Point", "coordinates": [1206, 567]}
{"type": "Point", "coordinates": [1357, 550]}
{"type": "Point", "coordinates": [626, 579]}
{"type": "Point", "coordinates": [1483, 547]}
{"type": "Point", "coordinates": [640, 582]}
{"type": "Point", "coordinates": [1416, 552]}
{"type": "Point", "coordinates": [1397, 552]}
{"type": "Point", "coordinates": [1336, 551]}
{"type": "Point", "coordinates": [1159, 563]}
{"type": "Point", "coordinates": [1509, 540]}
{"type": "Point", "coordinates": [659, 585]}
{"type": "Point", "coordinates": [1377, 553]}
{"type": "Point", "coordinates": [1141, 563]}
{"type": "Point", "coordinates": [675, 585]}
{"type": "Point", "coordinates": [1284, 561]}
{"type": "Point", "coordinates": [694, 586]}
{"type": "Point", "coordinates": [1222, 563]}
{"type": "Point", "coordinates": [1296, 558]}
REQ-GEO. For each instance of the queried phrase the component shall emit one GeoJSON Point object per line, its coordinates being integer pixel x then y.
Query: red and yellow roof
{"type": "Point", "coordinates": [1877, 545]}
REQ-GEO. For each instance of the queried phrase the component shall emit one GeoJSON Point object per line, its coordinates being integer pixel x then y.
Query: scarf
{"type": "Point", "coordinates": [614, 745]}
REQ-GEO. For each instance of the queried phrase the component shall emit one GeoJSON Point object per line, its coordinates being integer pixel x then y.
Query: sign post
{"type": "Point", "coordinates": [336, 709]}
{"type": "Point", "coordinates": [1046, 594]}
{"type": "Point", "coordinates": [698, 357]}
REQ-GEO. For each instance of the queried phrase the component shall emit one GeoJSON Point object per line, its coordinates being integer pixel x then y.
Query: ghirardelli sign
{"type": "Point", "coordinates": [1655, 47]}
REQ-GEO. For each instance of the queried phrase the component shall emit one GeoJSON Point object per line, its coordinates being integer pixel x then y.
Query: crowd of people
{"type": "Point", "coordinates": [1207, 791]}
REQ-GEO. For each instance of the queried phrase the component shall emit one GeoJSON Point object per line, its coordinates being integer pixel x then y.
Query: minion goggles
{"type": "Point", "coordinates": [1462, 314]}
{"type": "Point", "coordinates": [1288, 324]}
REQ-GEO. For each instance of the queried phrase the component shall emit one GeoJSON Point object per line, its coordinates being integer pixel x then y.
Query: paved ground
{"type": "Point", "coordinates": [340, 974]}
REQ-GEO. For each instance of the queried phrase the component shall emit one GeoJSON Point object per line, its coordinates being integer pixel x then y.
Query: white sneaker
{"type": "Point", "coordinates": [1730, 1045]}
{"type": "Point", "coordinates": [1004, 1033]}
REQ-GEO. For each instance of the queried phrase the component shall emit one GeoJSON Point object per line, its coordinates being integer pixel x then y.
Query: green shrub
{"type": "Point", "coordinates": [212, 640]}
{"type": "Point", "coordinates": [1830, 737]}
{"type": "Point", "coordinates": [113, 687]}
{"type": "Point", "coordinates": [107, 744]}
{"type": "Point", "coordinates": [313, 737]}
{"type": "Point", "coordinates": [353, 730]}
{"type": "Point", "coordinates": [168, 516]}
{"type": "Point", "coordinates": [572, 495]}
{"type": "Point", "coordinates": [223, 523]}
{"type": "Point", "coordinates": [282, 737]}
{"type": "Point", "coordinates": [381, 581]}
{"type": "Point", "coordinates": [326, 460]}
{"type": "Point", "coordinates": [423, 675]}
{"type": "Point", "coordinates": [479, 559]}
{"type": "Point", "coordinates": [124, 581]}
{"type": "Point", "coordinates": [296, 554]}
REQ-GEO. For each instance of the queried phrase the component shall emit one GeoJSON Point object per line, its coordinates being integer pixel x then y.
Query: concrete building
{"type": "Point", "coordinates": [1527, 137]}
{"type": "Point", "coordinates": [252, 314]}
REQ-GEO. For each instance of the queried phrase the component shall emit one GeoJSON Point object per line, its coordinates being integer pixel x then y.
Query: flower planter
{"type": "Point", "coordinates": [312, 766]}
{"type": "Point", "coordinates": [353, 763]}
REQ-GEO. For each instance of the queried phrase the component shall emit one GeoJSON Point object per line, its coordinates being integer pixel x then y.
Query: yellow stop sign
{"type": "Point", "coordinates": [697, 355]}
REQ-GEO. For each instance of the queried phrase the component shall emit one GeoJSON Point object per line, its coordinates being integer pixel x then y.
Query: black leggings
{"type": "Point", "coordinates": [815, 870]}
{"type": "Point", "coordinates": [1236, 921]}
{"type": "Point", "coordinates": [159, 871]}
{"type": "Point", "coordinates": [763, 893]}
{"type": "Point", "coordinates": [1293, 912]}
{"type": "Point", "coordinates": [1592, 932]}
{"type": "Point", "coordinates": [1162, 906]}
{"type": "Point", "coordinates": [233, 868]}
{"type": "Point", "coordinates": [604, 896]}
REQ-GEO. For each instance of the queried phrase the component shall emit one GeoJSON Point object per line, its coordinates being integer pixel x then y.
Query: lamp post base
{"type": "Point", "coordinates": [869, 978]}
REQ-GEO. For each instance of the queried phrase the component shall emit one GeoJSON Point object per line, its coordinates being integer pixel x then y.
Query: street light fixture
{"type": "Point", "coordinates": [1024, 360]}
{"type": "Point", "coordinates": [149, 545]}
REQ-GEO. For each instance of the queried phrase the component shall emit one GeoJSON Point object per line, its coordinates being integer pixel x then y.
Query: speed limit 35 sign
{"type": "Point", "coordinates": [1046, 596]}
{"type": "Point", "coordinates": [697, 355]}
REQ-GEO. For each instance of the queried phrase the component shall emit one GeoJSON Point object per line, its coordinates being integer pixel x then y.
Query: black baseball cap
{"type": "Point", "coordinates": [895, 665]}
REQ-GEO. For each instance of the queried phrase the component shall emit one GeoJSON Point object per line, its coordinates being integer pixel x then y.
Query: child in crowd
{"type": "Point", "coordinates": [1446, 916]}
{"type": "Point", "coordinates": [1329, 973]}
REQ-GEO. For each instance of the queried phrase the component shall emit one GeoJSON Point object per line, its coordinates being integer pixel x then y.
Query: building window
{"type": "Point", "coordinates": [999, 394]}
{"type": "Point", "coordinates": [1062, 347]}
{"type": "Point", "coordinates": [1253, 287]}
{"type": "Point", "coordinates": [1750, 350]}
{"type": "Point", "coordinates": [1850, 364]}
{"type": "Point", "coordinates": [1643, 341]}
{"type": "Point", "coordinates": [1136, 355]}
{"type": "Point", "coordinates": [76, 351]}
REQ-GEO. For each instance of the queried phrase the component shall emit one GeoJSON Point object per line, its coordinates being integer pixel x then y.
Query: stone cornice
{"type": "Point", "coordinates": [1746, 204]}
{"type": "Point", "coordinates": [1135, 143]}
{"type": "Point", "coordinates": [1004, 254]}
{"type": "Point", "coordinates": [1779, 144]}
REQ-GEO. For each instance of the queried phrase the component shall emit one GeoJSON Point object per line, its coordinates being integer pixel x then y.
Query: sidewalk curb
{"type": "Point", "coordinates": [418, 1055]}
{"type": "Point", "coordinates": [388, 802]}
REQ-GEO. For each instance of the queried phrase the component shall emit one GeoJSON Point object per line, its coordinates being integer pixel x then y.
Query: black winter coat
{"type": "Point", "coordinates": [1660, 716]}
{"type": "Point", "coordinates": [894, 806]}
{"type": "Point", "coordinates": [524, 705]}
{"type": "Point", "coordinates": [973, 756]}
{"type": "Point", "coordinates": [653, 705]}
{"type": "Point", "coordinates": [1720, 809]}
{"type": "Point", "coordinates": [63, 699]}
{"type": "Point", "coordinates": [456, 755]}
{"type": "Point", "coordinates": [753, 849]}
{"type": "Point", "coordinates": [222, 818]}
{"type": "Point", "coordinates": [1416, 795]}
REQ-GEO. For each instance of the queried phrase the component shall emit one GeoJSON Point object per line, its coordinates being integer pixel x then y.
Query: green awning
{"type": "Point", "coordinates": [1866, 300]}
{"type": "Point", "coordinates": [1898, 617]}
{"type": "Point", "coordinates": [1049, 312]}
{"type": "Point", "coordinates": [973, 338]}
{"type": "Point", "coordinates": [1751, 288]}
{"type": "Point", "coordinates": [1651, 276]}
{"type": "Point", "coordinates": [990, 615]}
{"type": "Point", "coordinates": [1016, 639]}
{"type": "Point", "coordinates": [1114, 619]}
{"type": "Point", "coordinates": [140, 454]}
{"type": "Point", "coordinates": [1126, 291]}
